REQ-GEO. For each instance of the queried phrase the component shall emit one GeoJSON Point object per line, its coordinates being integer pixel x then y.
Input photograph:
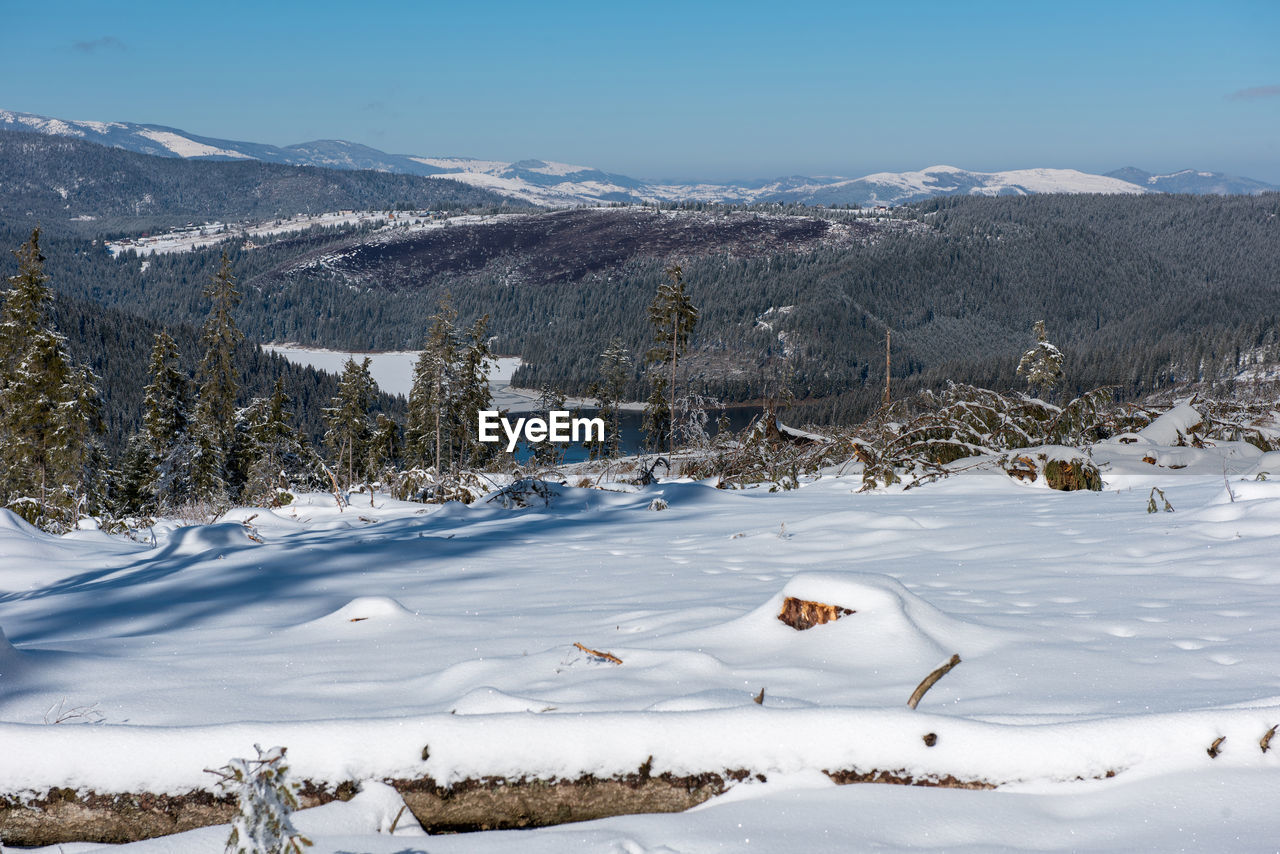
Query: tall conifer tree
{"type": "Point", "coordinates": [48, 406]}
{"type": "Point", "coordinates": [673, 317]}
{"type": "Point", "coordinates": [214, 431]}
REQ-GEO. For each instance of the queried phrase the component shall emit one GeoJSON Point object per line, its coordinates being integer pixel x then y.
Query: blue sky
{"type": "Point", "coordinates": [681, 90]}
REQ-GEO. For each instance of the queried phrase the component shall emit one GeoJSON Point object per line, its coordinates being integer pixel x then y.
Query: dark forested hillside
{"type": "Point", "coordinates": [69, 185]}
{"type": "Point", "coordinates": [116, 343]}
{"type": "Point", "coordinates": [1140, 292]}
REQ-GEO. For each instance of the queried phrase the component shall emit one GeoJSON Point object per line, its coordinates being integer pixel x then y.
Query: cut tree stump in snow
{"type": "Point", "coordinates": [801, 614]}
{"type": "Point", "coordinates": [1070, 475]}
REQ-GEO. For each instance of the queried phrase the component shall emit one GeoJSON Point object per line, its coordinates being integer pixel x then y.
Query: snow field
{"type": "Point", "coordinates": [1094, 638]}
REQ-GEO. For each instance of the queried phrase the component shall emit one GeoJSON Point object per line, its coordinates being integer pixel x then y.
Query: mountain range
{"type": "Point", "coordinates": [543, 182]}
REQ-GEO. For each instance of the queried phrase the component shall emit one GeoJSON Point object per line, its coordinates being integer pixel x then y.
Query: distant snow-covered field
{"type": "Point", "coordinates": [208, 234]}
{"type": "Point", "coordinates": [1104, 651]}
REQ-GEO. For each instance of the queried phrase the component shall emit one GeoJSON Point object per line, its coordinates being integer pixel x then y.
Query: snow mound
{"type": "Point", "coordinates": [890, 626]}
{"type": "Point", "coordinates": [205, 538]}
{"type": "Point", "coordinates": [1270, 463]}
{"type": "Point", "coordinates": [1172, 427]}
{"type": "Point", "coordinates": [487, 700]}
{"type": "Point", "coordinates": [18, 539]}
{"type": "Point", "coordinates": [11, 660]}
{"type": "Point", "coordinates": [366, 608]}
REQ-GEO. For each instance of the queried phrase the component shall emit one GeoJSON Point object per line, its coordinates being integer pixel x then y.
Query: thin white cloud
{"type": "Point", "coordinates": [103, 43]}
{"type": "Point", "coordinates": [1255, 93]}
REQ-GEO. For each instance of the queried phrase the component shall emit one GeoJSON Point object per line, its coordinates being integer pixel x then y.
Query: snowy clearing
{"type": "Point", "coordinates": [204, 235]}
{"type": "Point", "coordinates": [1106, 651]}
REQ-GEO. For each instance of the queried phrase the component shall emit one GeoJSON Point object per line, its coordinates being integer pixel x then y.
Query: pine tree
{"type": "Point", "coordinates": [277, 458]}
{"type": "Point", "coordinates": [615, 370]}
{"type": "Point", "coordinates": [432, 395]}
{"type": "Point", "coordinates": [347, 418]}
{"type": "Point", "coordinates": [166, 421]}
{"type": "Point", "coordinates": [48, 406]}
{"type": "Point", "coordinates": [132, 494]}
{"type": "Point", "coordinates": [656, 424]}
{"type": "Point", "coordinates": [217, 379]}
{"type": "Point", "coordinates": [265, 800]}
{"type": "Point", "coordinates": [385, 445]}
{"type": "Point", "coordinates": [473, 395]}
{"type": "Point", "coordinates": [673, 317]}
{"type": "Point", "coordinates": [1042, 364]}
{"type": "Point", "coordinates": [550, 398]}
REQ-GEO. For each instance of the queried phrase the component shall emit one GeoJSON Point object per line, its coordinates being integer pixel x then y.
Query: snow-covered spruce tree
{"type": "Point", "coordinates": [673, 317]}
{"type": "Point", "coordinates": [166, 422]}
{"type": "Point", "coordinates": [276, 459]}
{"type": "Point", "coordinates": [473, 395]}
{"type": "Point", "coordinates": [214, 430]}
{"type": "Point", "coordinates": [48, 406]}
{"type": "Point", "coordinates": [349, 428]}
{"type": "Point", "coordinates": [265, 800]}
{"type": "Point", "coordinates": [385, 447]}
{"type": "Point", "coordinates": [1041, 366]}
{"type": "Point", "coordinates": [656, 422]}
{"type": "Point", "coordinates": [615, 370]}
{"type": "Point", "coordinates": [432, 395]}
{"type": "Point", "coordinates": [546, 454]}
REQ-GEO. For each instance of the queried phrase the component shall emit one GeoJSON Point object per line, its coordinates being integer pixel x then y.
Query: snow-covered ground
{"type": "Point", "coordinates": [208, 234]}
{"type": "Point", "coordinates": [1095, 638]}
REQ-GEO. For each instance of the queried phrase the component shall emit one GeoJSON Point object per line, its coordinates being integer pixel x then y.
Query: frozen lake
{"type": "Point", "coordinates": [393, 371]}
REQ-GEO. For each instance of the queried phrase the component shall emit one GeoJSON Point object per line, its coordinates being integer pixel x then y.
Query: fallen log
{"type": "Point", "coordinates": [489, 803]}
{"type": "Point", "coordinates": [67, 815]}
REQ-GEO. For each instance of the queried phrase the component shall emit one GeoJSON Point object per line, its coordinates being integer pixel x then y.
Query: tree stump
{"type": "Point", "coordinates": [801, 614]}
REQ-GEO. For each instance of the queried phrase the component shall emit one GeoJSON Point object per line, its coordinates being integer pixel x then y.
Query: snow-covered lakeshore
{"type": "Point", "coordinates": [1096, 639]}
{"type": "Point", "coordinates": [393, 372]}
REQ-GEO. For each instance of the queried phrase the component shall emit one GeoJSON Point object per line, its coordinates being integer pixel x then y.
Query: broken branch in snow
{"type": "Point", "coordinates": [1216, 748]}
{"type": "Point", "coordinates": [595, 653]}
{"type": "Point", "coordinates": [759, 698]}
{"type": "Point", "coordinates": [396, 820]}
{"type": "Point", "coordinates": [1265, 741]}
{"type": "Point", "coordinates": [931, 680]}
{"type": "Point", "coordinates": [250, 531]}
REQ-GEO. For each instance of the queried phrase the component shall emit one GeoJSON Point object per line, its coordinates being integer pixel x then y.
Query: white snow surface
{"type": "Point", "coordinates": [1095, 638]}
{"type": "Point", "coordinates": [184, 147]}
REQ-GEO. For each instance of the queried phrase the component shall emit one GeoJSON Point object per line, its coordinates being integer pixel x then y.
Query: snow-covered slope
{"type": "Point", "coordinates": [547, 182]}
{"type": "Point", "coordinates": [892, 188]}
{"type": "Point", "coordinates": [1193, 181]}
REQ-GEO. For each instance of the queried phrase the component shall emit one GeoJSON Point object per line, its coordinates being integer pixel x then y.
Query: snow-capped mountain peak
{"type": "Point", "coordinates": [548, 182]}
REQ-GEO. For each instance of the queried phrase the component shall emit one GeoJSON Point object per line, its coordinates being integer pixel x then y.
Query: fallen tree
{"type": "Point", "coordinates": [489, 803]}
